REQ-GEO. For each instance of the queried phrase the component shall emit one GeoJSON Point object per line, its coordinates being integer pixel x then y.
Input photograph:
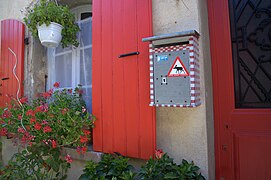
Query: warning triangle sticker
{"type": "Point", "coordinates": [178, 69]}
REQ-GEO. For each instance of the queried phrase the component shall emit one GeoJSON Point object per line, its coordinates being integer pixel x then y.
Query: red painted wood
{"type": "Point", "coordinates": [119, 125]}
{"type": "Point", "coordinates": [131, 82]}
{"type": "Point", "coordinates": [97, 74]}
{"type": "Point", "coordinates": [247, 137]}
{"type": "Point", "coordinates": [146, 128]}
{"type": "Point", "coordinates": [12, 36]}
{"type": "Point", "coordinates": [107, 78]}
{"type": "Point", "coordinates": [125, 122]}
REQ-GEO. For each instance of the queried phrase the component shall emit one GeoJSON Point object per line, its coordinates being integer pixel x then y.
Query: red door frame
{"type": "Point", "coordinates": [226, 117]}
{"type": "Point", "coordinates": [219, 55]}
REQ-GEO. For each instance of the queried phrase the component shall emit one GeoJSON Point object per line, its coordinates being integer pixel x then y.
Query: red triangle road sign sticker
{"type": "Point", "coordinates": [178, 69]}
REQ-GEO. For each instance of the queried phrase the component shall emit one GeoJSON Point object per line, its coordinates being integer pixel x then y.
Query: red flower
{"type": "Point", "coordinates": [47, 94]}
{"type": "Point", "coordinates": [78, 150]}
{"type": "Point", "coordinates": [42, 108]}
{"type": "Point", "coordinates": [21, 130]}
{"type": "Point", "coordinates": [64, 111]}
{"type": "Point", "coordinates": [39, 108]}
{"type": "Point", "coordinates": [159, 153]}
{"type": "Point", "coordinates": [32, 120]}
{"type": "Point", "coordinates": [84, 149]}
{"type": "Point", "coordinates": [68, 159]}
{"type": "Point", "coordinates": [3, 132]}
{"type": "Point", "coordinates": [27, 128]}
{"type": "Point", "coordinates": [56, 85]}
{"type": "Point", "coordinates": [37, 126]}
{"type": "Point", "coordinates": [20, 117]}
{"type": "Point", "coordinates": [80, 91]}
{"type": "Point", "coordinates": [47, 129]}
{"type": "Point", "coordinates": [30, 112]}
{"type": "Point", "coordinates": [24, 100]}
{"type": "Point", "coordinates": [83, 139]}
{"type": "Point", "coordinates": [54, 144]}
{"type": "Point", "coordinates": [86, 132]}
{"type": "Point", "coordinates": [6, 114]}
{"type": "Point", "coordinates": [70, 91]}
{"type": "Point", "coordinates": [44, 122]}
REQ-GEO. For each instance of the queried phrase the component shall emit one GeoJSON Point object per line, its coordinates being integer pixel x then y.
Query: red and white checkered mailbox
{"type": "Point", "coordinates": [174, 70]}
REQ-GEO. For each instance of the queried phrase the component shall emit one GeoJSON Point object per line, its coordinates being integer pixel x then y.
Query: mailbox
{"type": "Point", "coordinates": [174, 70]}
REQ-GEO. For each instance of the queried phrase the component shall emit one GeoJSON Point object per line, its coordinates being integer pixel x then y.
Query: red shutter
{"type": "Point", "coordinates": [125, 122]}
{"type": "Point", "coordinates": [12, 36]}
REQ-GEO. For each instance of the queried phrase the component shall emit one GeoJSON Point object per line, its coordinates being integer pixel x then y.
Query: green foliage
{"type": "Point", "coordinates": [188, 170]}
{"type": "Point", "coordinates": [47, 12]}
{"type": "Point", "coordinates": [55, 119]}
{"type": "Point", "coordinates": [32, 166]}
{"type": "Point", "coordinates": [110, 167]}
{"type": "Point", "coordinates": [165, 168]}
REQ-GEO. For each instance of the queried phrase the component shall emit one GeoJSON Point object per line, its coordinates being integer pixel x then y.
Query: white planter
{"type": "Point", "coordinates": [50, 36]}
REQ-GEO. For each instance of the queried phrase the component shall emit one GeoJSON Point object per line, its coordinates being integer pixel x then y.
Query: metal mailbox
{"type": "Point", "coordinates": [174, 70]}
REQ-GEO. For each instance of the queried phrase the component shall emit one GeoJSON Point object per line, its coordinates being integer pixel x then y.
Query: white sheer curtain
{"type": "Point", "coordinates": [72, 66]}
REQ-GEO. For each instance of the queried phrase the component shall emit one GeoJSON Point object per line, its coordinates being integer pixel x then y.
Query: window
{"type": "Point", "coordinates": [72, 66]}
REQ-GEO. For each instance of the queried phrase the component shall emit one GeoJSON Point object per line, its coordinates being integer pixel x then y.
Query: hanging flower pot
{"type": "Point", "coordinates": [39, 18]}
{"type": "Point", "coordinates": [50, 36]}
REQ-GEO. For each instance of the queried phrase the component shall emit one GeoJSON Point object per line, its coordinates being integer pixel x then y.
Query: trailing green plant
{"type": "Point", "coordinates": [55, 119]}
{"type": "Point", "coordinates": [110, 167]}
{"type": "Point", "coordinates": [33, 166]}
{"type": "Point", "coordinates": [46, 12]}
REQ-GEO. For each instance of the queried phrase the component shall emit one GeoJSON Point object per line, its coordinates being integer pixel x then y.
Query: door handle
{"type": "Point", "coordinates": [129, 54]}
{"type": "Point", "coordinates": [6, 78]}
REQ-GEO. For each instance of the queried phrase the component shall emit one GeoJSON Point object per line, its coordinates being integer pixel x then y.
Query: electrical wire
{"type": "Point", "coordinates": [19, 86]}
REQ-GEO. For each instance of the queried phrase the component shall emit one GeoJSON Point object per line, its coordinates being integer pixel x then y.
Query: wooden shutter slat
{"type": "Point", "coordinates": [107, 71]}
{"type": "Point", "coordinates": [119, 125]}
{"type": "Point", "coordinates": [147, 128]}
{"type": "Point", "coordinates": [97, 74]}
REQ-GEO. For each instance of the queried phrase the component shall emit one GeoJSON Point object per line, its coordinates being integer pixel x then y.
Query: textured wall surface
{"type": "Point", "coordinates": [13, 9]}
{"type": "Point", "coordinates": [181, 132]}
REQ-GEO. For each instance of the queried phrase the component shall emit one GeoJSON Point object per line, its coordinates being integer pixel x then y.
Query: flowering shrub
{"type": "Point", "coordinates": [55, 119]}
{"type": "Point", "coordinates": [110, 167]}
{"type": "Point", "coordinates": [163, 167]}
{"type": "Point", "coordinates": [159, 168]}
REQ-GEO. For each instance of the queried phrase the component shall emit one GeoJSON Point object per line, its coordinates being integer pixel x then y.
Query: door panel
{"type": "Point", "coordinates": [12, 36]}
{"type": "Point", "coordinates": [241, 101]}
{"type": "Point", "coordinates": [125, 122]}
{"type": "Point", "coordinates": [248, 147]}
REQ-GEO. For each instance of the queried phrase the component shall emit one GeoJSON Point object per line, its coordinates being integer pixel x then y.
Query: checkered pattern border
{"type": "Point", "coordinates": [193, 48]}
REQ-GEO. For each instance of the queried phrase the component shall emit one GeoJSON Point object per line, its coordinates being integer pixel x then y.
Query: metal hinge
{"type": "Point", "coordinates": [26, 41]}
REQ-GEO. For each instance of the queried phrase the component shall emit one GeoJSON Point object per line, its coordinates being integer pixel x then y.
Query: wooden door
{"type": "Point", "coordinates": [241, 61]}
{"type": "Point", "coordinates": [125, 122]}
{"type": "Point", "coordinates": [12, 41]}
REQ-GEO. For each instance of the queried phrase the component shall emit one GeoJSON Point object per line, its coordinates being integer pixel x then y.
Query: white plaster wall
{"type": "Point", "coordinates": [182, 132]}
{"type": "Point", "coordinates": [13, 9]}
